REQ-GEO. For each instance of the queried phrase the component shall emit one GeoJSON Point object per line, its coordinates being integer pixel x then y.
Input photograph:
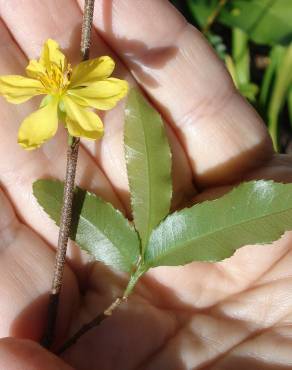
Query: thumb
{"type": "Point", "coordinates": [16, 354]}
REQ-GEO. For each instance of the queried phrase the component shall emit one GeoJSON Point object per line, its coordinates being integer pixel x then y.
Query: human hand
{"type": "Point", "coordinates": [212, 316]}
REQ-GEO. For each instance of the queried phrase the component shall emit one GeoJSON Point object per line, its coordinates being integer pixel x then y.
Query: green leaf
{"type": "Point", "coordinates": [276, 55]}
{"type": "Point", "coordinates": [254, 212]}
{"type": "Point", "coordinates": [97, 227]}
{"type": "Point", "coordinates": [283, 80]}
{"type": "Point", "coordinates": [265, 21]}
{"type": "Point", "coordinates": [148, 159]}
{"type": "Point", "coordinates": [202, 9]}
{"type": "Point", "coordinates": [240, 55]}
{"type": "Point", "coordinates": [249, 91]}
{"type": "Point", "coordinates": [231, 69]}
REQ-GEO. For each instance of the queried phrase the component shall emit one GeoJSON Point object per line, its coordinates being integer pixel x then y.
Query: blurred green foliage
{"type": "Point", "coordinates": [254, 38]}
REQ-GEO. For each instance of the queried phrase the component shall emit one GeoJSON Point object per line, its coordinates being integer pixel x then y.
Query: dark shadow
{"type": "Point", "coordinates": [72, 52]}
{"type": "Point", "coordinates": [30, 322]}
{"type": "Point", "coordinates": [78, 201]}
{"type": "Point", "coordinates": [139, 52]}
{"type": "Point", "coordinates": [235, 168]}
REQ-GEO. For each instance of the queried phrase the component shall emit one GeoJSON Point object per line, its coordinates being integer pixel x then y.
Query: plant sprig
{"type": "Point", "coordinates": [255, 212]}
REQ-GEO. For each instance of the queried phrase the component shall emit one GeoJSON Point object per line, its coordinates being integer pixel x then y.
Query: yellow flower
{"type": "Point", "coordinates": [69, 93]}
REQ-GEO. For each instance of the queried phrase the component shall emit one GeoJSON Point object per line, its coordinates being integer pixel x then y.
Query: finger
{"type": "Point", "coordinates": [19, 168]}
{"type": "Point", "coordinates": [26, 267]}
{"type": "Point", "coordinates": [16, 354]}
{"type": "Point", "coordinates": [220, 131]}
{"type": "Point", "coordinates": [63, 24]}
{"type": "Point", "coordinates": [278, 168]}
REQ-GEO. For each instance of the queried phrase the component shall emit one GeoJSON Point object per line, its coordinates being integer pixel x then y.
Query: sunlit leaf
{"type": "Point", "coordinates": [283, 80]}
{"type": "Point", "coordinates": [240, 55]}
{"type": "Point", "coordinates": [255, 212]}
{"type": "Point", "coordinates": [148, 159]}
{"type": "Point", "coordinates": [275, 57]}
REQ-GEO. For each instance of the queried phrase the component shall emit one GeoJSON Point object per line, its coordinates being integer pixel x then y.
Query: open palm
{"type": "Point", "coordinates": [233, 314]}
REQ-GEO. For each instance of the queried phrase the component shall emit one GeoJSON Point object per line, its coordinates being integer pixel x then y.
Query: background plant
{"type": "Point", "coordinates": [254, 38]}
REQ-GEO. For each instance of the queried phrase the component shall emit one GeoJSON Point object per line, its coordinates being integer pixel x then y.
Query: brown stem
{"type": "Point", "coordinates": [66, 213]}
{"type": "Point", "coordinates": [86, 28]}
{"type": "Point", "coordinates": [90, 325]}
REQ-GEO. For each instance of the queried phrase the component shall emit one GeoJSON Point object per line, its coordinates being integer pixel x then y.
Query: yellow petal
{"type": "Point", "coordinates": [101, 95]}
{"type": "Point", "coordinates": [81, 122]}
{"type": "Point", "coordinates": [35, 69]}
{"type": "Point", "coordinates": [51, 54]}
{"type": "Point", "coordinates": [91, 71]}
{"type": "Point", "coordinates": [39, 126]}
{"type": "Point", "coordinates": [18, 89]}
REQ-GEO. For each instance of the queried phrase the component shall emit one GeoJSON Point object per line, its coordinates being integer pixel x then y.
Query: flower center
{"type": "Point", "coordinates": [56, 80]}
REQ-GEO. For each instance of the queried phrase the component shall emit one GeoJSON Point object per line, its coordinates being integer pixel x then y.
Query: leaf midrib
{"type": "Point", "coordinates": [149, 190]}
{"type": "Point", "coordinates": [92, 226]}
{"type": "Point", "coordinates": [106, 237]}
{"type": "Point", "coordinates": [169, 251]}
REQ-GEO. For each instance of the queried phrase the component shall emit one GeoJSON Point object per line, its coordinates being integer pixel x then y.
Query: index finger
{"type": "Point", "coordinates": [222, 134]}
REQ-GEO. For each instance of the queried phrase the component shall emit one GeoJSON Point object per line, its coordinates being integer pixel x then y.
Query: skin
{"type": "Point", "coordinates": [232, 314]}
